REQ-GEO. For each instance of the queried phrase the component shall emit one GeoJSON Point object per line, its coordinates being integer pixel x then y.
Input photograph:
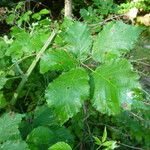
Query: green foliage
{"type": "Point", "coordinates": [142, 5]}
{"type": "Point", "coordinates": [60, 146]}
{"type": "Point", "coordinates": [40, 136]}
{"type": "Point", "coordinates": [58, 60]}
{"type": "Point", "coordinates": [14, 145]}
{"type": "Point", "coordinates": [3, 102]}
{"type": "Point", "coordinates": [38, 16]}
{"type": "Point", "coordinates": [9, 123]}
{"type": "Point", "coordinates": [99, 10]}
{"type": "Point", "coordinates": [78, 40]}
{"type": "Point", "coordinates": [43, 116]}
{"type": "Point", "coordinates": [108, 145]}
{"type": "Point", "coordinates": [3, 79]}
{"type": "Point", "coordinates": [25, 43]}
{"type": "Point", "coordinates": [114, 40]}
{"type": "Point", "coordinates": [81, 83]}
{"type": "Point", "coordinates": [113, 83]}
{"type": "Point", "coordinates": [72, 90]}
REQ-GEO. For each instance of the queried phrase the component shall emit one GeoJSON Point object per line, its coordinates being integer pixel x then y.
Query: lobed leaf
{"type": "Point", "coordinates": [113, 83]}
{"type": "Point", "coordinates": [9, 123]}
{"type": "Point", "coordinates": [67, 93]}
{"type": "Point", "coordinates": [57, 60]}
{"type": "Point", "coordinates": [78, 40]}
{"type": "Point", "coordinates": [115, 39]}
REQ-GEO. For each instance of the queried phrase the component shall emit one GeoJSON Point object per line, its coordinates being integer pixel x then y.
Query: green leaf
{"type": "Point", "coordinates": [114, 82]}
{"type": "Point", "coordinates": [97, 140]}
{"type": "Point", "coordinates": [10, 19]}
{"type": "Point", "coordinates": [58, 60]}
{"type": "Point", "coordinates": [3, 102]}
{"type": "Point", "coordinates": [14, 145]}
{"type": "Point", "coordinates": [78, 40]}
{"type": "Point", "coordinates": [38, 38]}
{"type": "Point", "coordinates": [9, 126]}
{"type": "Point", "coordinates": [44, 12]}
{"type": "Point", "coordinates": [115, 39]}
{"type": "Point", "coordinates": [62, 134]}
{"type": "Point", "coordinates": [40, 136]}
{"type": "Point", "coordinates": [67, 93]}
{"type": "Point", "coordinates": [36, 16]}
{"type": "Point", "coordinates": [26, 17]}
{"type": "Point", "coordinates": [3, 79]}
{"type": "Point", "coordinates": [104, 137]}
{"type": "Point", "coordinates": [3, 48]}
{"type": "Point", "coordinates": [21, 45]}
{"type": "Point", "coordinates": [43, 116]}
{"type": "Point", "coordinates": [60, 146]}
{"type": "Point", "coordinates": [25, 44]}
{"type": "Point", "coordinates": [19, 5]}
{"type": "Point", "coordinates": [111, 144]}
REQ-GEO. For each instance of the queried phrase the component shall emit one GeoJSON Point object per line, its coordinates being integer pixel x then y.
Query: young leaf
{"type": "Point", "coordinates": [115, 39]}
{"type": "Point", "coordinates": [58, 60]}
{"type": "Point", "coordinates": [110, 144]}
{"type": "Point", "coordinates": [60, 146]}
{"type": "Point", "coordinates": [113, 81]}
{"type": "Point", "coordinates": [97, 140]}
{"type": "Point", "coordinates": [67, 93]}
{"type": "Point", "coordinates": [104, 135]}
{"type": "Point", "coordinates": [78, 40]}
{"type": "Point", "coordinates": [9, 126]}
{"type": "Point", "coordinates": [44, 12]}
{"type": "Point", "coordinates": [36, 16]}
{"type": "Point", "coordinates": [14, 145]}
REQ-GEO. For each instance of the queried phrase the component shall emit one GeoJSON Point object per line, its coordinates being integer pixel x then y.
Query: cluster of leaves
{"type": "Point", "coordinates": [104, 143]}
{"type": "Point", "coordinates": [142, 5]}
{"type": "Point", "coordinates": [77, 71]}
{"type": "Point", "coordinates": [98, 11]}
{"type": "Point", "coordinates": [18, 15]}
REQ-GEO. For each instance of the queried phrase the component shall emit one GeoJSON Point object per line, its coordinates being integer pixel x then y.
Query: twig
{"type": "Point", "coordinates": [140, 62]}
{"type": "Point", "coordinates": [30, 69]}
{"type": "Point", "coordinates": [132, 147]}
{"type": "Point", "coordinates": [146, 103]}
{"type": "Point", "coordinates": [138, 117]}
{"type": "Point", "coordinates": [20, 60]}
{"type": "Point", "coordinates": [146, 93]}
{"type": "Point", "coordinates": [108, 19]}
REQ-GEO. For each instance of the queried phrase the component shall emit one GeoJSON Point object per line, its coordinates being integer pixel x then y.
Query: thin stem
{"type": "Point", "coordinates": [106, 20]}
{"type": "Point", "coordinates": [22, 59]}
{"type": "Point", "coordinates": [30, 69]}
{"type": "Point", "coordinates": [138, 117]}
{"type": "Point", "coordinates": [132, 147]}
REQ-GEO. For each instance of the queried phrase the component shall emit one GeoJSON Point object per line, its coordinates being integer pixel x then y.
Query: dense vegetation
{"type": "Point", "coordinates": [74, 82]}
